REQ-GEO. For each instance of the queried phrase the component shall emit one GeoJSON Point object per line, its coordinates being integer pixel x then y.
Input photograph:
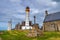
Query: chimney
{"type": "Point", "coordinates": [34, 19]}
{"type": "Point", "coordinates": [46, 13]}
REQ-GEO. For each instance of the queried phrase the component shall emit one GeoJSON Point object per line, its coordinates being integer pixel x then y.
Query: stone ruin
{"type": "Point", "coordinates": [35, 31]}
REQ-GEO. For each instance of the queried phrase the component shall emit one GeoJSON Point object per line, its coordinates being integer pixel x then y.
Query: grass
{"type": "Point", "coordinates": [21, 35]}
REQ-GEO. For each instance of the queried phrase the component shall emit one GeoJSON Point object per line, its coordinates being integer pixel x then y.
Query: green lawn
{"type": "Point", "coordinates": [20, 35]}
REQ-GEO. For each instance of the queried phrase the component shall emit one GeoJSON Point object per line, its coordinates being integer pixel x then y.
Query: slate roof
{"type": "Point", "coordinates": [52, 17]}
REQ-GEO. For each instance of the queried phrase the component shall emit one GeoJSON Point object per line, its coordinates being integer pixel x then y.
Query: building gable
{"type": "Point", "coordinates": [52, 17]}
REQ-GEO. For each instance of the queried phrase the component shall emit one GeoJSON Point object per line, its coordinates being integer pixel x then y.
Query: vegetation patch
{"type": "Point", "coordinates": [21, 35]}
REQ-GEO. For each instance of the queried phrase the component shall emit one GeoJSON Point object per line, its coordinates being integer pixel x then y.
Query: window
{"type": "Point", "coordinates": [53, 25]}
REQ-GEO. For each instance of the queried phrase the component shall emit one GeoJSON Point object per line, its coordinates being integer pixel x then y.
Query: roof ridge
{"type": "Point", "coordinates": [53, 13]}
{"type": "Point", "coordinates": [52, 16]}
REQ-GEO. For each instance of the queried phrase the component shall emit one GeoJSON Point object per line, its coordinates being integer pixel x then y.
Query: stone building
{"type": "Point", "coordinates": [27, 24]}
{"type": "Point", "coordinates": [35, 25]}
{"type": "Point", "coordinates": [35, 31]}
{"type": "Point", "coordinates": [51, 22]}
{"type": "Point", "coordinates": [19, 26]}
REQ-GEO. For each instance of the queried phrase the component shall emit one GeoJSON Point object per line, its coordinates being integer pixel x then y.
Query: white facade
{"type": "Point", "coordinates": [26, 27]}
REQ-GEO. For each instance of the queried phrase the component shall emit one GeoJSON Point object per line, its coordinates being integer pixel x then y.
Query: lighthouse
{"type": "Point", "coordinates": [27, 10]}
{"type": "Point", "coordinates": [9, 25]}
{"type": "Point", "coordinates": [27, 16]}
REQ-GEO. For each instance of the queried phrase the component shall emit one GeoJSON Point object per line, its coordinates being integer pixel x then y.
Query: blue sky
{"type": "Point", "coordinates": [15, 10]}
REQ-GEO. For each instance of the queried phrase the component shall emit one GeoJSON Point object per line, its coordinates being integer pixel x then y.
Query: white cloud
{"type": "Point", "coordinates": [15, 0]}
{"type": "Point", "coordinates": [34, 11]}
{"type": "Point", "coordinates": [38, 11]}
{"type": "Point", "coordinates": [54, 4]}
{"type": "Point", "coordinates": [48, 3]}
{"type": "Point", "coordinates": [4, 24]}
{"type": "Point", "coordinates": [20, 11]}
{"type": "Point", "coordinates": [19, 16]}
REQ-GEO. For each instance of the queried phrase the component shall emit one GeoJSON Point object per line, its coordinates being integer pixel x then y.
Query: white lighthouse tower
{"type": "Point", "coordinates": [27, 19]}
{"type": "Point", "coordinates": [9, 25]}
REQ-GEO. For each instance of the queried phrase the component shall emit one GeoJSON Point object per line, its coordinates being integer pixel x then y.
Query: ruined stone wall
{"type": "Point", "coordinates": [51, 26]}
